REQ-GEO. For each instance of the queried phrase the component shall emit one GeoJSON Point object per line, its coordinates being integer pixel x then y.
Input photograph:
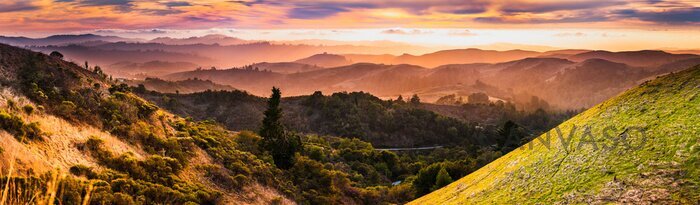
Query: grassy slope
{"type": "Point", "coordinates": [665, 169]}
{"type": "Point", "coordinates": [59, 149]}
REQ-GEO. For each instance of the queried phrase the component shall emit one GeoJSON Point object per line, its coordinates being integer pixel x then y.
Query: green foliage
{"type": "Point", "coordinates": [119, 88]}
{"type": "Point", "coordinates": [18, 128]}
{"type": "Point", "coordinates": [442, 179]}
{"type": "Point", "coordinates": [428, 179]}
{"type": "Point", "coordinates": [281, 144]}
{"type": "Point", "coordinates": [155, 178]}
{"type": "Point", "coordinates": [11, 104]}
{"type": "Point", "coordinates": [384, 123]}
{"type": "Point", "coordinates": [28, 109]}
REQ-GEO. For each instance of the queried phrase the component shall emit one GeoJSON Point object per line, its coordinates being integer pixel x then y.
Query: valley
{"type": "Point", "coordinates": [382, 102]}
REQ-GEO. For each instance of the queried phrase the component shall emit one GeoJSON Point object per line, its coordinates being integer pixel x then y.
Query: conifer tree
{"type": "Point", "coordinates": [442, 179]}
{"type": "Point", "coordinates": [282, 145]}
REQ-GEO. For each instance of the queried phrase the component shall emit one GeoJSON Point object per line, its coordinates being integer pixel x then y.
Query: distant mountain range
{"type": "Point", "coordinates": [561, 82]}
{"type": "Point", "coordinates": [570, 78]}
{"type": "Point", "coordinates": [61, 40]}
{"type": "Point", "coordinates": [208, 40]}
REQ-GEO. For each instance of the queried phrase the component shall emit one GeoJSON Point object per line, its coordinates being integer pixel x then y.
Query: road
{"type": "Point", "coordinates": [410, 148]}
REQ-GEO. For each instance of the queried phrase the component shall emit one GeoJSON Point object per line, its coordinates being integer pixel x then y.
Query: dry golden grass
{"type": "Point", "coordinates": [252, 194]}
{"type": "Point", "coordinates": [59, 151]}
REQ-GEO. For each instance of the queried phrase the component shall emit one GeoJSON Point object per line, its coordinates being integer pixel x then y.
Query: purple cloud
{"type": "Point", "coordinates": [543, 7]}
{"type": "Point", "coordinates": [17, 6]}
{"type": "Point", "coordinates": [669, 16]}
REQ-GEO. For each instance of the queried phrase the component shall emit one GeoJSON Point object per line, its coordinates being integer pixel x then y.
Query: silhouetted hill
{"type": "Point", "coordinates": [183, 86]}
{"type": "Point", "coordinates": [150, 68]}
{"type": "Point", "coordinates": [60, 40]}
{"type": "Point", "coordinates": [644, 58]}
{"type": "Point", "coordinates": [286, 67]}
{"type": "Point", "coordinates": [457, 56]}
{"type": "Point", "coordinates": [202, 54]}
{"type": "Point", "coordinates": [207, 39]}
{"type": "Point", "coordinates": [325, 60]}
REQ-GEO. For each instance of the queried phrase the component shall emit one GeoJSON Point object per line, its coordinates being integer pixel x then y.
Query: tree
{"type": "Point", "coordinates": [442, 179]}
{"type": "Point", "coordinates": [415, 99]}
{"type": "Point", "coordinates": [511, 136]}
{"type": "Point", "coordinates": [399, 99]}
{"type": "Point", "coordinates": [56, 54]}
{"type": "Point", "coordinates": [281, 144]}
{"type": "Point", "coordinates": [478, 98]}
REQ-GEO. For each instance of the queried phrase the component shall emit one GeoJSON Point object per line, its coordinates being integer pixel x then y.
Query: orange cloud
{"type": "Point", "coordinates": [75, 15]}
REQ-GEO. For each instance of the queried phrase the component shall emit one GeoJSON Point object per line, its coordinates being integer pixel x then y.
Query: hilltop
{"type": "Point", "coordinates": [655, 159]}
{"type": "Point", "coordinates": [58, 117]}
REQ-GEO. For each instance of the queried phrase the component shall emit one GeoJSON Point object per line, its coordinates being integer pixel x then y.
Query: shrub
{"type": "Point", "coordinates": [17, 127]}
{"type": "Point", "coordinates": [56, 54]}
{"type": "Point", "coordinates": [28, 109]}
{"type": "Point", "coordinates": [11, 104]}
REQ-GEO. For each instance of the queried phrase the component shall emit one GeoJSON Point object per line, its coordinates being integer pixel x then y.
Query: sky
{"type": "Point", "coordinates": [590, 24]}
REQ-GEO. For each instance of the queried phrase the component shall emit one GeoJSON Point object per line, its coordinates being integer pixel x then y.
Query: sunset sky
{"type": "Point", "coordinates": [592, 24]}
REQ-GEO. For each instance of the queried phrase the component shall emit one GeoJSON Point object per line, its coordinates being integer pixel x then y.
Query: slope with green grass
{"type": "Point", "coordinates": [638, 147]}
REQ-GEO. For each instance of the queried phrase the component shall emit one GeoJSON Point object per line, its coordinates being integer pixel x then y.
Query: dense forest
{"type": "Point", "coordinates": [324, 153]}
{"type": "Point", "coordinates": [342, 130]}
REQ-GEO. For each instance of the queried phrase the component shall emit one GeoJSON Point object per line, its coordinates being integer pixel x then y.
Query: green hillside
{"type": "Point", "coordinates": [658, 164]}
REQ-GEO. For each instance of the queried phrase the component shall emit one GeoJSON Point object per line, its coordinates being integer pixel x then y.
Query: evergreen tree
{"type": "Point", "coordinates": [400, 99]}
{"type": "Point", "coordinates": [442, 179]}
{"type": "Point", "coordinates": [282, 145]}
{"type": "Point", "coordinates": [415, 100]}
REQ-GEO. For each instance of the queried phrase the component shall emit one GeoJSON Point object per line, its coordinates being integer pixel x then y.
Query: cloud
{"type": "Point", "coordinates": [464, 32]}
{"type": "Point", "coordinates": [161, 12]}
{"type": "Point", "coordinates": [314, 12]}
{"type": "Point", "coordinates": [106, 2]}
{"type": "Point", "coordinates": [668, 16]}
{"type": "Point", "coordinates": [121, 5]}
{"type": "Point", "coordinates": [322, 10]}
{"type": "Point", "coordinates": [135, 31]}
{"type": "Point", "coordinates": [303, 9]}
{"type": "Point", "coordinates": [543, 7]}
{"type": "Point", "coordinates": [405, 32]}
{"type": "Point", "coordinates": [17, 6]}
{"type": "Point", "coordinates": [177, 3]}
{"type": "Point", "coordinates": [577, 34]}
{"type": "Point", "coordinates": [572, 17]}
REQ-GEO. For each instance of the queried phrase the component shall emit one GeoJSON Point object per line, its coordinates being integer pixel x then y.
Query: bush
{"type": "Point", "coordinates": [28, 109]}
{"type": "Point", "coordinates": [11, 104]}
{"type": "Point", "coordinates": [17, 127]}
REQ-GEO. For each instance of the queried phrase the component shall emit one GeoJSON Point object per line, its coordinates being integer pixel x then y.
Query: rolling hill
{"type": "Point", "coordinates": [644, 58]}
{"type": "Point", "coordinates": [62, 120]}
{"type": "Point", "coordinates": [183, 86]}
{"type": "Point", "coordinates": [286, 67]}
{"type": "Point", "coordinates": [210, 39]}
{"type": "Point", "coordinates": [640, 147]}
{"type": "Point", "coordinates": [60, 40]}
{"type": "Point", "coordinates": [325, 60]}
{"type": "Point", "coordinates": [444, 57]}
{"type": "Point", "coordinates": [563, 83]}
{"type": "Point", "coordinates": [150, 68]}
